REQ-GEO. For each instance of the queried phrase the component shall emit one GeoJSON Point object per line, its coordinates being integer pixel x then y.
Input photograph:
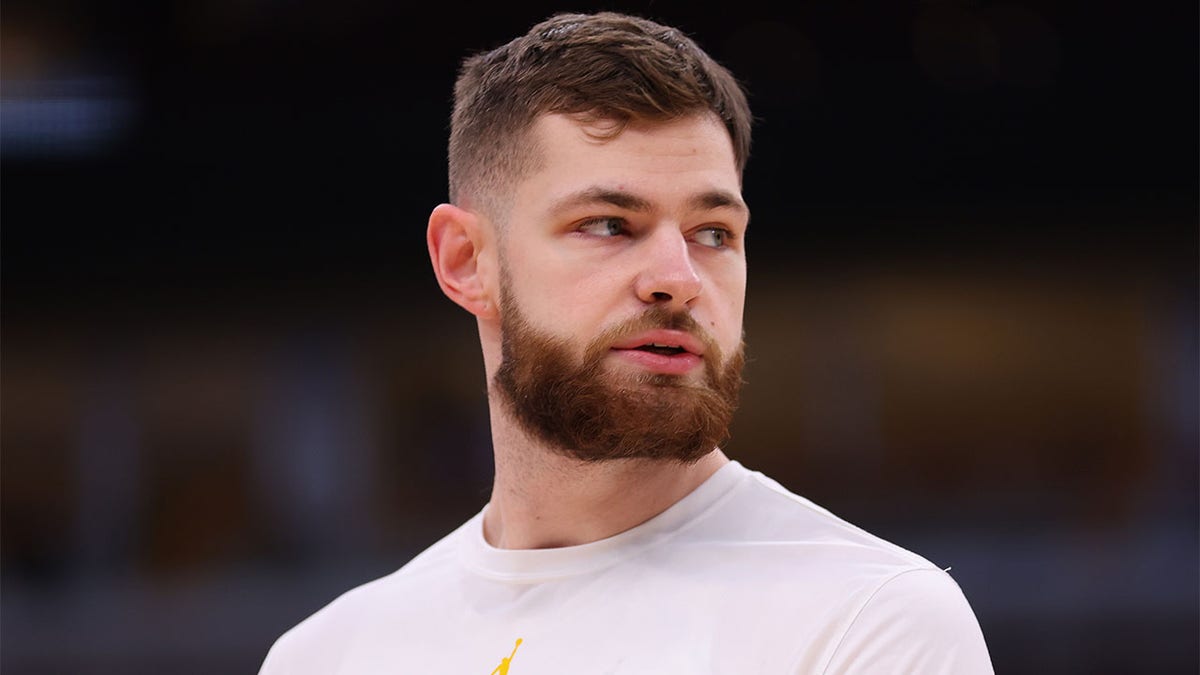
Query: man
{"type": "Point", "coordinates": [596, 231]}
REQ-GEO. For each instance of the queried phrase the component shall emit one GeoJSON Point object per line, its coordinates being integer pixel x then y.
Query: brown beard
{"type": "Point", "coordinates": [590, 414]}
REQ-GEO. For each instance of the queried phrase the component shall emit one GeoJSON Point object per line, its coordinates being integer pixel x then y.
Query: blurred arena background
{"type": "Point", "coordinates": [232, 389]}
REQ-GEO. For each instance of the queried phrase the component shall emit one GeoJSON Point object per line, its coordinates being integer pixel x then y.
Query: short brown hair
{"type": "Point", "coordinates": [606, 66]}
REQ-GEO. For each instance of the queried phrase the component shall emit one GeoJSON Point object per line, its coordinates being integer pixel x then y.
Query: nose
{"type": "Point", "coordinates": [667, 276]}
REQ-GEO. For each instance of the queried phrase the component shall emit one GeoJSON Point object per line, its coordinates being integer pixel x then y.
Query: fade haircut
{"type": "Point", "coordinates": [607, 67]}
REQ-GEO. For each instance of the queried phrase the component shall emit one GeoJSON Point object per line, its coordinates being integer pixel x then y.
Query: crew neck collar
{"type": "Point", "coordinates": [534, 565]}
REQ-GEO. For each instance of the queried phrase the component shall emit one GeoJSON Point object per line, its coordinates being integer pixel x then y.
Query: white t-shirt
{"type": "Point", "coordinates": [739, 577]}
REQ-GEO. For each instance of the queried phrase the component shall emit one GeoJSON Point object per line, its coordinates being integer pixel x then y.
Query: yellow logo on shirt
{"type": "Point", "coordinates": [502, 669]}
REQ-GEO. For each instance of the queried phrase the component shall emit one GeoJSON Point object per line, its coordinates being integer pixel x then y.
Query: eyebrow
{"type": "Point", "coordinates": [718, 199]}
{"type": "Point", "coordinates": [705, 201]}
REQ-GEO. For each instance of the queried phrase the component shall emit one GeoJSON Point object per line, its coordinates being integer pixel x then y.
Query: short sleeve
{"type": "Point", "coordinates": [918, 621]}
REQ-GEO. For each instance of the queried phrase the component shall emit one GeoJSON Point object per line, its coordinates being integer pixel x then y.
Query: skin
{"type": "Point", "coordinates": [598, 232]}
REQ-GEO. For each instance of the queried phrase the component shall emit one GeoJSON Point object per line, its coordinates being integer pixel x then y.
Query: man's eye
{"type": "Point", "coordinates": [603, 227]}
{"type": "Point", "coordinates": [714, 237]}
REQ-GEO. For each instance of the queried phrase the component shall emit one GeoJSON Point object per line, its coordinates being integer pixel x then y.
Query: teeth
{"type": "Point", "coordinates": [656, 344]}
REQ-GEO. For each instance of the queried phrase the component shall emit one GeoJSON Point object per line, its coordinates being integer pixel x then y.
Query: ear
{"type": "Point", "coordinates": [458, 248]}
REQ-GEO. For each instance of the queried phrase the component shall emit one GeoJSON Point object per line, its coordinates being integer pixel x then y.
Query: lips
{"type": "Point", "coordinates": [662, 351]}
{"type": "Point", "coordinates": [664, 342]}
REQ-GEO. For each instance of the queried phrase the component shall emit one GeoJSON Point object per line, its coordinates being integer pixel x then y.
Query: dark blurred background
{"type": "Point", "coordinates": [232, 389]}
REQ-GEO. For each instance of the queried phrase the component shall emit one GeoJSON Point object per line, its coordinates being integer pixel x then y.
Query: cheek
{"type": "Point", "coordinates": [729, 329]}
{"type": "Point", "coordinates": [560, 297]}
{"type": "Point", "coordinates": [727, 289]}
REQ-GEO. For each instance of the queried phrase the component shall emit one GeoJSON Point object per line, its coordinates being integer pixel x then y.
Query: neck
{"type": "Point", "coordinates": [544, 499]}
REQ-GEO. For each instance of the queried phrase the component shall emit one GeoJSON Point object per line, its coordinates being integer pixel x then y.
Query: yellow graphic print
{"type": "Point", "coordinates": [502, 669]}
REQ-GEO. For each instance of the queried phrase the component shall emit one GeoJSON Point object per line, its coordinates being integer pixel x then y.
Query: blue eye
{"type": "Point", "coordinates": [606, 226]}
{"type": "Point", "coordinates": [713, 237]}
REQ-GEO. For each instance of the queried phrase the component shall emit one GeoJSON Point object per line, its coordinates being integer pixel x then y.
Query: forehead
{"type": "Point", "coordinates": [665, 162]}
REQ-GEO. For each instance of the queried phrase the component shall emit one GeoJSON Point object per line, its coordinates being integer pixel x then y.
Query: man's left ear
{"type": "Point", "coordinates": [460, 248]}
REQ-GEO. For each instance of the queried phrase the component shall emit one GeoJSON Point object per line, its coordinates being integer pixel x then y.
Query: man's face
{"type": "Point", "coordinates": [623, 281]}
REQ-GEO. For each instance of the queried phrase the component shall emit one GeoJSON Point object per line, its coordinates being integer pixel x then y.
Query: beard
{"type": "Point", "coordinates": [584, 411]}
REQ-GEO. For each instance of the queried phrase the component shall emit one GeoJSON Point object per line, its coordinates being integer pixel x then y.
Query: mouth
{"type": "Point", "coordinates": [662, 351]}
{"type": "Point", "coordinates": [665, 350]}
{"type": "Point", "coordinates": [663, 341]}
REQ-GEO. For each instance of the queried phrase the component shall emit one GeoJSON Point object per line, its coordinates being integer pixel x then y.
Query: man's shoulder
{"type": "Point", "coordinates": [323, 636]}
{"type": "Point", "coordinates": [771, 543]}
{"type": "Point", "coordinates": [765, 514]}
{"type": "Point", "coordinates": [777, 549]}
